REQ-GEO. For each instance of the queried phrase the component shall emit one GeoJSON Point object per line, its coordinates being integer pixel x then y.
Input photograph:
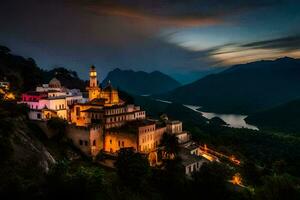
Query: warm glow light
{"type": "Point", "coordinates": [237, 56]}
{"type": "Point", "coordinates": [9, 96]}
{"type": "Point", "coordinates": [236, 179]}
{"type": "Point", "coordinates": [93, 73]}
{"type": "Point", "coordinates": [208, 157]}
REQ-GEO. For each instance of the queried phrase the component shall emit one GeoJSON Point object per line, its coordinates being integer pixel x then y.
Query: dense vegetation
{"type": "Point", "coordinates": [245, 88]}
{"type": "Point", "coordinates": [24, 74]}
{"type": "Point", "coordinates": [140, 82]}
{"type": "Point", "coordinates": [285, 118]}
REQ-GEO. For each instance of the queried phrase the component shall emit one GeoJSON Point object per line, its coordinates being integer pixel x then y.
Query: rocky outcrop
{"type": "Point", "coordinates": [27, 148]}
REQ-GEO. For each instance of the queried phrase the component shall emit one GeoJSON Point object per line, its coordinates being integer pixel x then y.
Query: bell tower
{"type": "Point", "coordinates": [94, 90]}
{"type": "Point", "coordinates": [93, 77]}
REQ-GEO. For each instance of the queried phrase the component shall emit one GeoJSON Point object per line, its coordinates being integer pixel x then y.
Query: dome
{"type": "Point", "coordinates": [54, 83]}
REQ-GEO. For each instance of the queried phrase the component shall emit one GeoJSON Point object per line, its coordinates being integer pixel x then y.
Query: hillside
{"type": "Point", "coordinates": [24, 74]}
{"type": "Point", "coordinates": [174, 111]}
{"type": "Point", "coordinates": [24, 159]}
{"type": "Point", "coordinates": [68, 78]}
{"type": "Point", "coordinates": [245, 88]}
{"type": "Point", "coordinates": [139, 82]}
{"type": "Point", "coordinates": [285, 118]}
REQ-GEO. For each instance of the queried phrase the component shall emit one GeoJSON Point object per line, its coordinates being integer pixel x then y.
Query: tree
{"type": "Point", "coordinates": [58, 126]}
{"type": "Point", "coordinates": [278, 187]}
{"type": "Point", "coordinates": [279, 166]}
{"type": "Point", "coordinates": [250, 173]}
{"type": "Point", "coordinates": [81, 182]}
{"type": "Point", "coordinates": [4, 49]}
{"type": "Point", "coordinates": [133, 168]}
{"type": "Point", "coordinates": [211, 180]}
{"type": "Point", "coordinates": [170, 144]}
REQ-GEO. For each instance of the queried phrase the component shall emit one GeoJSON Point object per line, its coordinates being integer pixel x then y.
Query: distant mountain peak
{"type": "Point", "coordinates": [286, 58]}
{"type": "Point", "coordinates": [141, 82]}
{"type": "Point", "coordinates": [243, 88]}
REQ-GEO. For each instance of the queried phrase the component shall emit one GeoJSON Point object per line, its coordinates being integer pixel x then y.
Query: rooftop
{"type": "Point", "coordinates": [93, 110]}
{"type": "Point", "coordinates": [97, 101]}
{"type": "Point", "coordinates": [173, 122]}
{"type": "Point", "coordinates": [34, 93]}
{"type": "Point", "coordinates": [188, 158]}
{"type": "Point", "coordinates": [132, 126]}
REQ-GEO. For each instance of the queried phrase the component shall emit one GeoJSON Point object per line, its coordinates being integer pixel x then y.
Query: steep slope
{"type": "Point", "coordinates": [245, 88]}
{"type": "Point", "coordinates": [285, 117]}
{"type": "Point", "coordinates": [24, 160]}
{"type": "Point", "coordinates": [139, 82]}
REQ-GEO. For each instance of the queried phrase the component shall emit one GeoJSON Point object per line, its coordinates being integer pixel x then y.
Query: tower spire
{"type": "Point", "coordinates": [93, 77]}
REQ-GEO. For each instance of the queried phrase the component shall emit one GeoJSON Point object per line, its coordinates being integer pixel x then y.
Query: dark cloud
{"type": "Point", "coordinates": [113, 33]}
{"type": "Point", "coordinates": [176, 12]}
{"type": "Point", "coordinates": [283, 43]}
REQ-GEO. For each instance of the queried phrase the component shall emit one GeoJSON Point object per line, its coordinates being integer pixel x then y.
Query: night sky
{"type": "Point", "coordinates": [173, 36]}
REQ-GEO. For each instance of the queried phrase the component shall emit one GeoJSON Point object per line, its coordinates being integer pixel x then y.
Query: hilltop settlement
{"type": "Point", "coordinates": [104, 123]}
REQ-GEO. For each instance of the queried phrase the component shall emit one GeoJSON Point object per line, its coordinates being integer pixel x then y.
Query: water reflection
{"type": "Point", "coordinates": [234, 120]}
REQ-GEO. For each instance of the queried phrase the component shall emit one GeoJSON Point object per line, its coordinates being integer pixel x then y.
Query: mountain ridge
{"type": "Point", "coordinates": [285, 117]}
{"type": "Point", "coordinates": [140, 82]}
{"type": "Point", "coordinates": [244, 88]}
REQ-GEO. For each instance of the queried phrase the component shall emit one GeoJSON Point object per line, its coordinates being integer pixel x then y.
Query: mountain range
{"type": "Point", "coordinates": [244, 88]}
{"type": "Point", "coordinates": [140, 82]}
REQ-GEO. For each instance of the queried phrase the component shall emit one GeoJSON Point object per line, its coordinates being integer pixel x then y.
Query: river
{"type": "Point", "coordinates": [234, 120]}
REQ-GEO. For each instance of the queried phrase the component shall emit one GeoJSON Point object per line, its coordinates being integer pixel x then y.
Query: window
{"type": "Point", "coordinates": [78, 111]}
{"type": "Point", "coordinates": [119, 143]}
{"type": "Point", "coordinates": [39, 116]}
{"type": "Point", "coordinates": [122, 143]}
{"type": "Point", "coordinates": [85, 143]}
{"type": "Point", "coordinates": [110, 141]}
{"type": "Point", "coordinates": [94, 143]}
{"type": "Point", "coordinates": [80, 142]}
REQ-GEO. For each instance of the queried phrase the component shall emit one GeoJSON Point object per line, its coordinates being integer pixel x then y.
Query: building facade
{"type": "Point", "coordinates": [104, 122]}
{"type": "Point", "coordinates": [51, 100]}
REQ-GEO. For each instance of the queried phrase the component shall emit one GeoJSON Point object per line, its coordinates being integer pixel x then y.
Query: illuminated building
{"type": "Point", "coordinates": [143, 135]}
{"type": "Point", "coordinates": [4, 85]}
{"type": "Point", "coordinates": [104, 122]}
{"type": "Point", "coordinates": [50, 100]}
{"type": "Point", "coordinates": [108, 93]}
{"type": "Point", "coordinates": [175, 127]}
{"type": "Point", "coordinates": [191, 163]}
{"type": "Point", "coordinates": [5, 91]}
